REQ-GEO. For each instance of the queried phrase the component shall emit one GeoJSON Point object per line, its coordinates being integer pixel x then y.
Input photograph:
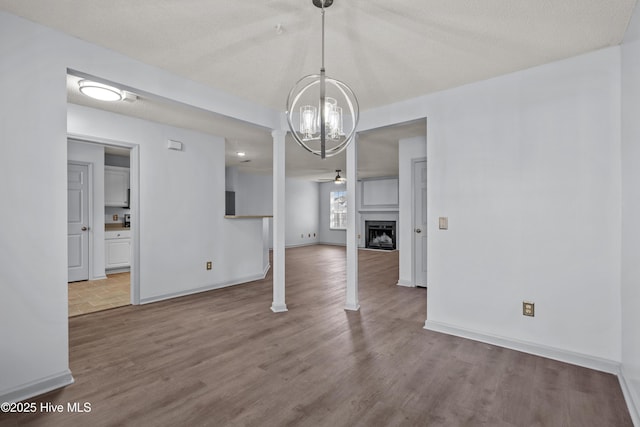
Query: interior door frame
{"type": "Point", "coordinates": [414, 163]}
{"type": "Point", "coordinates": [134, 184]}
{"type": "Point", "coordinates": [90, 212]}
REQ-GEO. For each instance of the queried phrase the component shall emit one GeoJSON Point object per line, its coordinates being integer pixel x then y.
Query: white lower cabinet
{"type": "Point", "coordinates": [117, 249]}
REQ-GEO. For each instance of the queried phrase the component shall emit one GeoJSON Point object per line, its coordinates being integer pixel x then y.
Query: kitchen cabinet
{"type": "Point", "coordinates": [117, 249]}
{"type": "Point", "coordinates": [116, 186]}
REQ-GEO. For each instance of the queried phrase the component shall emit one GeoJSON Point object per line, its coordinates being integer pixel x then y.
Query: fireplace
{"type": "Point", "coordinates": [380, 234]}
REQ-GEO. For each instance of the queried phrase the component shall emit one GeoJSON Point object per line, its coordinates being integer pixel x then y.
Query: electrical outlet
{"type": "Point", "coordinates": [115, 217]}
{"type": "Point", "coordinates": [209, 265]}
{"type": "Point", "coordinates": [528, 309]}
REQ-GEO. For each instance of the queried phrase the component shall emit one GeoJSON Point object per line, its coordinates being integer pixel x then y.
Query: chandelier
{"type": "Point", "coordinates": [322, 112]}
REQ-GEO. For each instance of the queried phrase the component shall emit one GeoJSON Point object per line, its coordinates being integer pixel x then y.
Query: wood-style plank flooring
{"type": "Point", "coordinates": [222, 358]}
{"type": "Point", "coordinates": [90, 296]}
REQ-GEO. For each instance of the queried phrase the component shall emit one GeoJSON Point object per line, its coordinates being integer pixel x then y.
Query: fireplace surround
{"type": "Point", "coordinates": [380, 235]}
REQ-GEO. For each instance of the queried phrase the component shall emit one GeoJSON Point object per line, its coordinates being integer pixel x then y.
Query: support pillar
{"type": "Point", "coordinates": [278, 304]}
{"type": "Point", "coordinates": [352, 302]}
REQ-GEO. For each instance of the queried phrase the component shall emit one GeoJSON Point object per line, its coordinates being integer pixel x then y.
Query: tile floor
{"type": "Point", "coordinates": [96, 295]}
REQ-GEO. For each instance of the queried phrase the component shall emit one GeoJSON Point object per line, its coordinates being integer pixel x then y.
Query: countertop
{"type": "Point", "coordinates": [115, 227]}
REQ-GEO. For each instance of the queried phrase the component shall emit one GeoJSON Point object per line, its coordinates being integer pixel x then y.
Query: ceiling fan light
{"type": "Point", "coordinates": [100, 91]}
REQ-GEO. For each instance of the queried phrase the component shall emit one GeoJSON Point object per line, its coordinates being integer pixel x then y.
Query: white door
{"type": "Point", "coordinates": [420, 223]}
{"type": "Point", "coordinates": [78, 221]}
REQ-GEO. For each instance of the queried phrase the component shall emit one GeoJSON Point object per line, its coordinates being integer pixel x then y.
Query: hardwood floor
{"type": "Point", "coordinates": [222, 358]}
{"type": "Point", "coordinates": [90, 296]}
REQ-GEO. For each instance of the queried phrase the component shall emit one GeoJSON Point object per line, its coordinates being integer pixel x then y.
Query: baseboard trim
{"type": "Point", "coordinates": [300, 245]}
{"type": "Point", "coordinates": [632, 399]}
{"type": "Point", "coordinates": [332, 244]}
{"type": "Point", "coordinates": [266, 270]}
{"type": "Point", "coordinates": [37, 387]}
{"type": "Point", "coordinates": [117, 270]}
{"type": "Point", "coordinates": [238, 281]}
{"type": "Point", "coordinates": [579, 359]}
{"type": "Point", "coordinates": [352, 307]}
{"type": "Point", "coordinates": [278, 308]}
{"type": "Point", "coordinates": [405, 283]}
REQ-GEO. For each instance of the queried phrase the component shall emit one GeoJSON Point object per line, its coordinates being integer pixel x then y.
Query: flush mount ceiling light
{"type": "Point", "coordinates": [322, 112]}
{"type": "Point", "coordinates": [338, 179]}
{"type": "Point", "coordinates": [100, 91]}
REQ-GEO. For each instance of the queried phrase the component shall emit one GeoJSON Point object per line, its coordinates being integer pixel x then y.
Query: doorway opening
{"type": "Point", "coordinates": [101, 226]}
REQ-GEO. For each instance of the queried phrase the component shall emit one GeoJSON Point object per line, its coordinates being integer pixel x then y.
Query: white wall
{"type": "Point", "coordinates": [182, 223]}
{"type": "Point", "coordinates": [254, 196]}
{"type": "Point", "coordinates": [409, 149]}
{"type": "Point", "coordinates": [302, 212]}
{"type": "Point", "coordinates": [34, 160]}
{"type": "Point", "coordinates": [93, 154]}
{"type": "Point", "coordinates": [527, 168]}
{"type": "Point", "coordinates": [33, 249]}
{"type": "Point", "coordinates": [630, 214]}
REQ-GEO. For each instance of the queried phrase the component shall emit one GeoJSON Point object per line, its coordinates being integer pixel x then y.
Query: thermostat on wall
{"type": "Point", "coordinates": [174, 145]}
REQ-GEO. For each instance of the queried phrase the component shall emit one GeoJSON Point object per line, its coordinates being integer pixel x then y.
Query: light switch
{"type": "Point", "coordinates": [443, 223]}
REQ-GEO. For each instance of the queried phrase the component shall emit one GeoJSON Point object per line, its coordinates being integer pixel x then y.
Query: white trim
{"type": "Point", "coordinates": [276, 308]}
{"type": "Point", "coordinates": [37, 387]}
{"type": "Point", "coordinates": [265, 270]}
{"type": "Point", "coordinates": [633, 401]}
{"type": "Point", "coordinates": [134, 184]}
{"type": "Point", "coordinates": [332, 244]}
{"type": "Point", "coordinates": [117, 270]}
{"type": "Point", "coordinates": [352, 307]}
{"type": "Point", "coordinates": [299, 245]}
{"type": "Point", "coordinates": [212, 287]}
{"type": "Point", "coordinates": [585, 360]}
{"type": "Point", "coordinates": [405, 283]}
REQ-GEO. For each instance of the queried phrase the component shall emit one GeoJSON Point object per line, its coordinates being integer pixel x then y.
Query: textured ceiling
{"type": "Point", "coordinates": [387, 51]}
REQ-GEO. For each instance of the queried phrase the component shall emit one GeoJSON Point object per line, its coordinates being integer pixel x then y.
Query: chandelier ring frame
{"type": "Point", "coordinates": [298, 91]}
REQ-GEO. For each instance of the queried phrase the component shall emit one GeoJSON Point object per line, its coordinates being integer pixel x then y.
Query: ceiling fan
{"type": "Point", "coordinates": [337, 180]}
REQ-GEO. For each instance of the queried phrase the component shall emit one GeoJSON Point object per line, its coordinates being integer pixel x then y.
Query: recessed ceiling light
{"type": "Point", "coordinates": [241, 153]}
{"type": "Point", "coordinates": [100, 91]}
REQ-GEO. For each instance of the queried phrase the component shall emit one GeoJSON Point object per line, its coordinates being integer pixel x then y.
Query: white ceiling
{"type": "Point", "coordinates": [387, 51]}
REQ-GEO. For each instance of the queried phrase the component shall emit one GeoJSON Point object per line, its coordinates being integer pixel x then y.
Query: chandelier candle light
{"type": "Point", "coordinates": [321, 129]}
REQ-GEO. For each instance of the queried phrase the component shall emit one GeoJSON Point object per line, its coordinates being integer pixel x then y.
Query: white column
{"type": "Point", "coordinates": [352, 302]}
{"type": "Point", "coordinates": [278, 304]}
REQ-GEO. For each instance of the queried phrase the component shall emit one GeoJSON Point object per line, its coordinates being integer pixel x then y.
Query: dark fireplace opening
{"type": "Point", "coordinates": [380, 234]}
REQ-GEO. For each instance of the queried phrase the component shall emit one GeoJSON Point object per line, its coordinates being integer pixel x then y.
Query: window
{"type": "Point", "coordinates": [338, 212]}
